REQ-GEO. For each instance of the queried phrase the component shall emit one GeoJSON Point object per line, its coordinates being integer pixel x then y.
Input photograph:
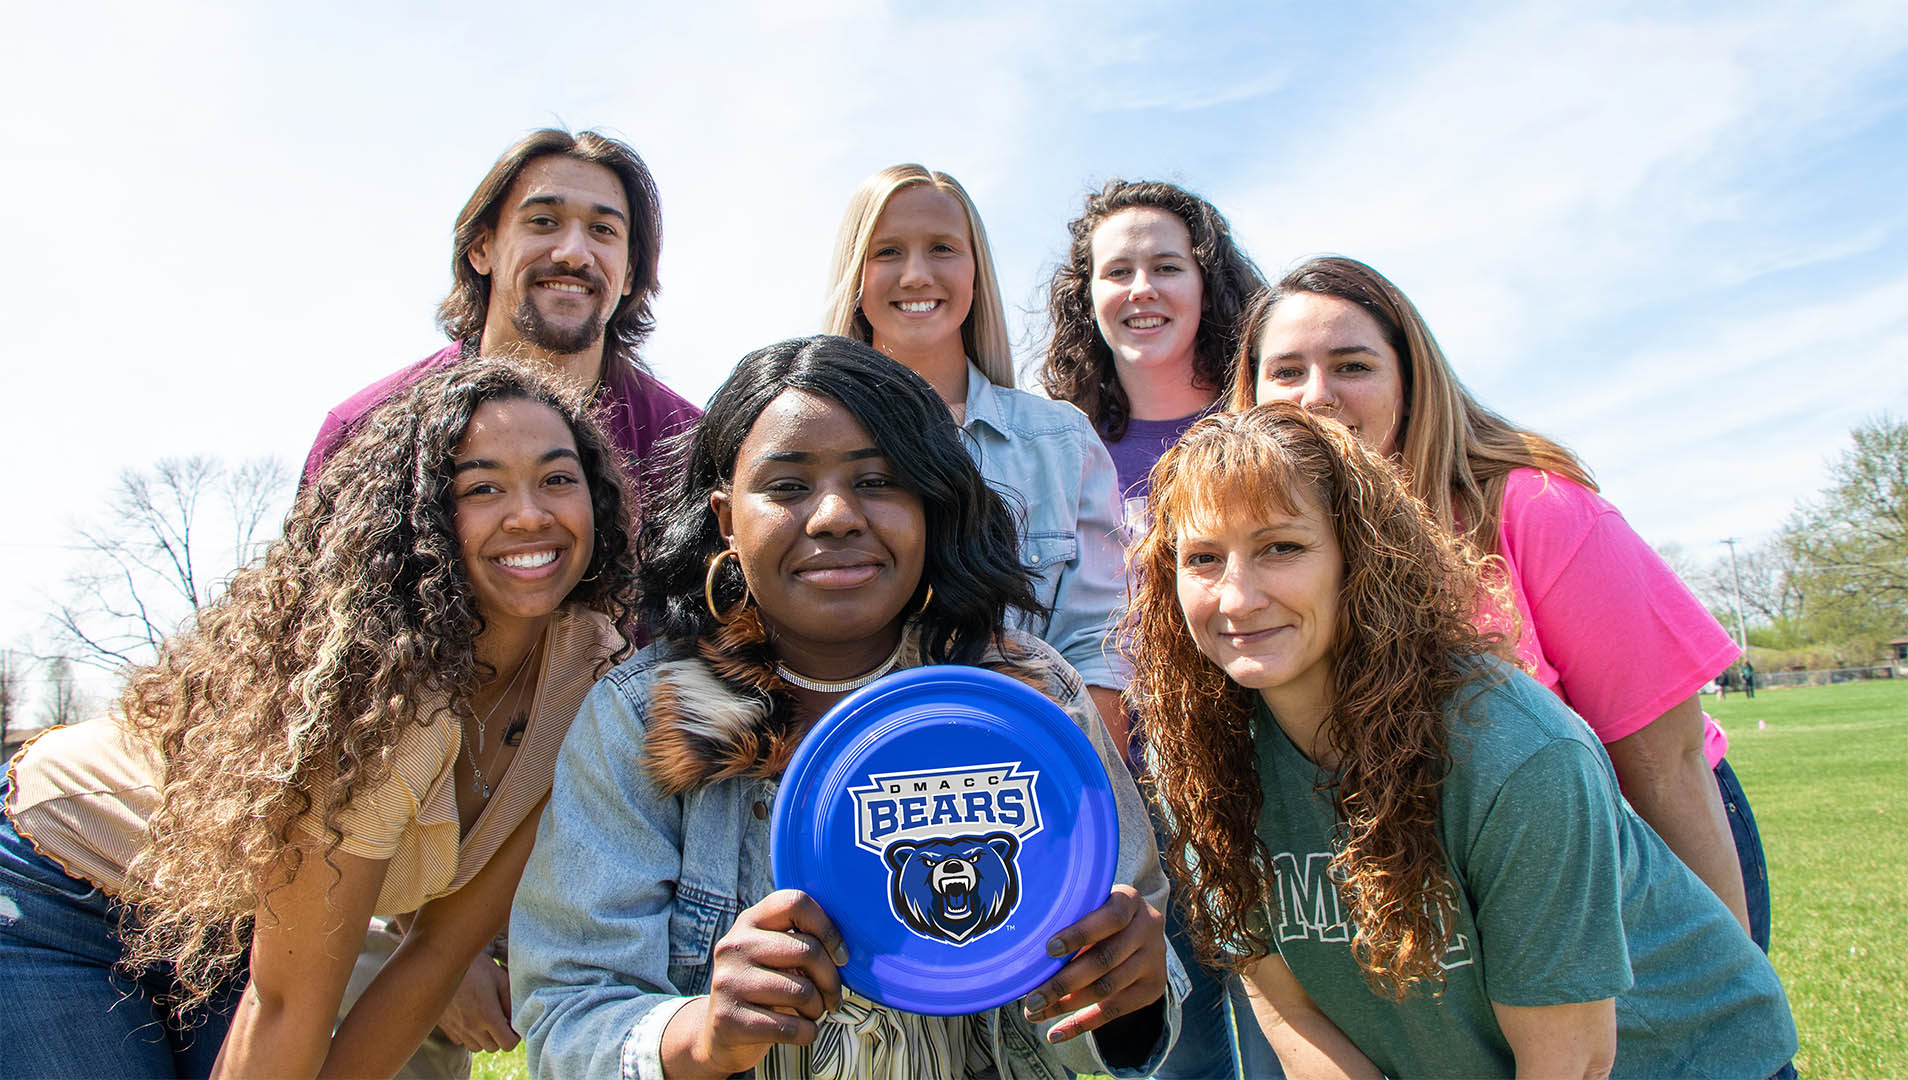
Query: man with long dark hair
{"type": "Point", "coordinates": [554, 261]}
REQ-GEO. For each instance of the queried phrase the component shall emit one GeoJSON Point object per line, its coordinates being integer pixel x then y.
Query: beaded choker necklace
{"type": "Point", "coordinates": [823, 687]}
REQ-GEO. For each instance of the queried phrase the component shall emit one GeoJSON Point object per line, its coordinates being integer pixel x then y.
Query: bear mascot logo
{"type": "Point", "coordinates": [955, 888]}
{"type": "Point", "coordinates": [951, 838]}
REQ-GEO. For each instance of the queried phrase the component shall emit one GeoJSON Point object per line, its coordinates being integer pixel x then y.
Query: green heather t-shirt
{"type": "Point", "coordinates": [1564, 895]}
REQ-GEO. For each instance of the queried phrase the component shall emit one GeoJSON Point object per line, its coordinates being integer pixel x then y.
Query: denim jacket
{"type": "Point", "coordinates": [1045, 457]}
{"type": "Point", "coordinates": [628, 891]}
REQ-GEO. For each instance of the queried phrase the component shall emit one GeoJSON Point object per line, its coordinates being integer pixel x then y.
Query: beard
{"type": "Point", "coordinates": [534, 329]}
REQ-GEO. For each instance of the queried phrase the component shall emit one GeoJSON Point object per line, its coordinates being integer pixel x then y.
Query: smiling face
{"type": "Point", "coordinates": [1260, 594]}
{"type": "Point", "coordinates": [831, 544]}
{"type": "Point", "coordinates": [1147, 289]}
{"type": "Point", "coordinates": [917, 282]}
{"type": "Point", "coordinates": [558, 257]}
{"type": "Point", "coordinates": [1330, 356]}
{"type": "Point", "coordinates": [525, 524]}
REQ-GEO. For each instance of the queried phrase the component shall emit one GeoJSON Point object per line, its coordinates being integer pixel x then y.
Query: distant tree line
{"type": "Point", "coordinates": [1831, 585]}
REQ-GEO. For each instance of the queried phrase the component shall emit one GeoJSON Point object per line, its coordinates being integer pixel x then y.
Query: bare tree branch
{"type": "Point", "coordinates": [149, 558]}
{"type": "Point", "coordinates": [12, 670]}
{"type": "Point", "coordinates": [62, 702]}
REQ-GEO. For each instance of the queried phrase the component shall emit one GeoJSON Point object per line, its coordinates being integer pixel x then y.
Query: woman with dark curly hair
{"type": "Point", "coordinates": [1417, 856]}
{"type": "Point", "coordinates": [367, 721]}
{"type": "Point", "coordinates": [1604, 623]}
{"type": "Point", "coordinates": [1145, 317]}
{"type": "Point", "coordinates": [1145, 321]}
{"type": "Point", "coordinates": [824, 526]}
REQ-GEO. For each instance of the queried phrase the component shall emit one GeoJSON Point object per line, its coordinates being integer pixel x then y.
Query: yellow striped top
{"type": "Point", "coordinates": [82, 794]}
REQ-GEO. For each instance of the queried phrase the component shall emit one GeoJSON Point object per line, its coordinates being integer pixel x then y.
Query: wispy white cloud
{"type": "Point", "coordinates": [1587, 202]}
{"type": "Point", "coordinates": [228, 217]}
{"type": "Point", "coordinates": [1722, 432]}
{"type": "Point", "coordinates": [1572, 151]}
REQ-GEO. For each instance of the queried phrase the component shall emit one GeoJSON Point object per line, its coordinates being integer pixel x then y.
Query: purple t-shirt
{"type": "Point", "coordinates": [1133, 458]}
{"type": "Point", "coordinates": [638, 410]}
{"type": "Point", "coordinates": [1145, 442]}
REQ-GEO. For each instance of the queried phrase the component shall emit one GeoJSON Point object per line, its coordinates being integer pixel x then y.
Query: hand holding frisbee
{"type": "Point", "coordinates": [952, 822]}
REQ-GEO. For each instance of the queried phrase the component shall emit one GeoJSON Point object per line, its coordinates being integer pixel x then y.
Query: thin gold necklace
{"type": "Point", "coordinates": [479, 785]}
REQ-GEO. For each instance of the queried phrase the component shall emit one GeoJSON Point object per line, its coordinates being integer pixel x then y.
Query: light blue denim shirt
{"type": "Point", "coordinates": [1045, 457]}
{"type": "Point", "coordinates": [628, 891]}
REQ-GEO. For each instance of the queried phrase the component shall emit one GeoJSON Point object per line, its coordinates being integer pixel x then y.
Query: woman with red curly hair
{"type": "Point", "coordinates": [1416, 856]}
{"type": "Point", "coordinates": [1605, 624]}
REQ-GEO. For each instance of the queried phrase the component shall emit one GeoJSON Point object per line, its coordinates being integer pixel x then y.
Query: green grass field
{"type": "Point", "coordinates": [1827, 773]}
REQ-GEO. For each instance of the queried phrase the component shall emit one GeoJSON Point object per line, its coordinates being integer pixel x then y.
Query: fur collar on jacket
{"type": "Point", "coordinates": [724, 712]}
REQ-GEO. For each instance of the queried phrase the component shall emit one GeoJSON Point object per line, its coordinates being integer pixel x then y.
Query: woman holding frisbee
{"type": "Point", "coordinates": [1145, 317]}
{"type": "Point", "coordinates": [1604, 623]}
{"type": "Point", "coordinates": [1419, 859]}
{"type": "Point", "coordinates": [913, 276]}
{"type": "Point", "coordinates": [824, 526]}
{"type": "Point", "coordinates": [366, 722]}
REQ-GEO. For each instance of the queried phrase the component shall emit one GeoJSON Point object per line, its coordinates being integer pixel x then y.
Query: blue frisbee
{"type": "Point", "coordinates": [950, 821]}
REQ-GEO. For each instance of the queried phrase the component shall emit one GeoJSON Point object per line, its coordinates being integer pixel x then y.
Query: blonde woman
{"type": "Point", "coordinates": [913, 277]}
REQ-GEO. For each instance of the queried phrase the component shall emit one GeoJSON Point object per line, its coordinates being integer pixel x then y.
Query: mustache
{"type": "Point", "coordinates": [587, 275]}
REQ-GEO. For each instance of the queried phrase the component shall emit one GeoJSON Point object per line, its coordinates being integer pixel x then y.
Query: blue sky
{"type": "Point", "coordinates": [1673, 236]}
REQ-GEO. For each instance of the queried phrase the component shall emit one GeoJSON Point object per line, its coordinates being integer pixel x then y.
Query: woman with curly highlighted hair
{"type": "Point", "coordinates": [366, 722]}
{"type": "Point", "coordinates": [1604, 623]}
{"type": "Point", "coordinates": [1418, 858]}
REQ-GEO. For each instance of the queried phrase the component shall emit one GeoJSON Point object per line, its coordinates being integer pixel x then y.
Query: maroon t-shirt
{"type": "Point", "coordinates": [639, 410]}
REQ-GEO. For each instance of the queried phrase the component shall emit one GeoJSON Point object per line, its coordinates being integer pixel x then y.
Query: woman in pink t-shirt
{"type": "Point", "coordinates": [1606, 624]}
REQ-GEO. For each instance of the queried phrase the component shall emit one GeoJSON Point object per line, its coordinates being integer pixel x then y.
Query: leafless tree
{"type": "Point", "coordinates": [154, 557]}
{"type": "Point", "coordinates": [11, 670]}
{"type": "Point", "coordinates": [62, 701]}
{"type": "Point", "coordinates": [1771, 589]}
{"type": "Point", "coordinates": [1856, 530]}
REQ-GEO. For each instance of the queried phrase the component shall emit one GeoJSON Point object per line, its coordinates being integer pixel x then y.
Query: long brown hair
{"type": "Point", "coordinates": [462, 313]}
{"type": "Point", "coordinates": [1399, 655]}
{"type": "Point", "coordinates": [287, 696]}
{"type": "Point", "coordinates": [1456, 452]}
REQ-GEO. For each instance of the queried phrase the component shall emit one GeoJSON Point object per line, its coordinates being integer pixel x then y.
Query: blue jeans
{"type": "Point", "coordinates": [1219, 1037]}
{"type": "Point", "coordinates": [67, 1011]}
{"type": "Point", "coordinates": [1755, 869]}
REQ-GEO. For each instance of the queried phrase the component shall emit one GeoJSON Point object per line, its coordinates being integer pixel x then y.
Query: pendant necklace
{"type": "Point", "coordinates": [479, 785]}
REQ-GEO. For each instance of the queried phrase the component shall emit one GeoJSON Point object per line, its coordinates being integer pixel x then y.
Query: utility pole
{"type": "Point", "coordinates": [1742, 636]}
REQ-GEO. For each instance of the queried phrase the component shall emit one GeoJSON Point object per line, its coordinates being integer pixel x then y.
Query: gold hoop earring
{"type": "Point", "coordinates": [925, 601]}
{"type": "Point", "coordinates": [708, 588]}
